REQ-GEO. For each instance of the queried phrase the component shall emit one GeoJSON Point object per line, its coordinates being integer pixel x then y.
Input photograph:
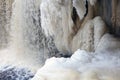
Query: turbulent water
{"type": "Point", "coordinates": [28, 43]}
{"type": "Point", "coordinates": [35, 30]}
{"type": "Point", "coordinates": [15, 73]}
{"type": "Point", "coordinates": [103, 64]}
{"type": "Point", "coordinates": [27, 47]}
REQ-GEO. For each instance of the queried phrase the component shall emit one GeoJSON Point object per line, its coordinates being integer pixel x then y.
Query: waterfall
{"type": "Point", "coordinates": [3, 28]}
{"type": "Point", "coordinates": [26, 32]}
{"type": "Point", "coordinates": [33, 31]}
{"type": "Point", "coordinates": [27, 45]}
{"type": "Point", "coordinates": [37, 34]}
{"type": "Point", "coordinates": [24, 46]}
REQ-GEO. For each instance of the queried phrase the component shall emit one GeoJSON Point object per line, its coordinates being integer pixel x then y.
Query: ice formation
{"type": "Point", "coordinates": [67, 32]}
{"type": "Point", "coordinates": [56, 21]}
{"type": "Point", "coordinates": [84, 65]}
{"type": "Point", "coordinates": [80, 7]}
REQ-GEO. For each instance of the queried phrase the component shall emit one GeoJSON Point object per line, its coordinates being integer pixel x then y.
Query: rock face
{"type": "Point", "coordinates": [109, 11]}
{"type": "Point", "coordinates": [5, 15]}
{"type": "Point", "coordinates": [59, 24]}
{"type": "Point", "coordinates": [116, 16]}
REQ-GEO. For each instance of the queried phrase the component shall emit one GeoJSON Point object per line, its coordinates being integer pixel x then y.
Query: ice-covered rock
{"type": "Point", "coordinates": [80, 7]}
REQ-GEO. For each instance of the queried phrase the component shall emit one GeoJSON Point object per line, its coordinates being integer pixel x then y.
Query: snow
{"type": "Point", "coordinates": [103, 64]}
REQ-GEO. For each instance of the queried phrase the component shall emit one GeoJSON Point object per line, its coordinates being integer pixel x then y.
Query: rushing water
{"type": "Point", "coordinates": [34, 28]}
{"type": "Point", "coordinates": [28, 43]}
{"type": "Point", "coordinates": [28, 47]}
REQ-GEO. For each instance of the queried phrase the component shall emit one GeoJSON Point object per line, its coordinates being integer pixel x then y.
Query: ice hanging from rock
{"type": "Point", "coordinates": [58, 24]}
{"type": "Point", "coordinates": [68, 32]}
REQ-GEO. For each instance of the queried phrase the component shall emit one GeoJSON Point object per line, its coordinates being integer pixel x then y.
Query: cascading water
{"type": "Point", "coordinates": [101, 64]}
{"type": "Point", "coordinates": [28, 47]}
{"type": "Point", "coordinates": [39, 29]}
{"type": "Point", "coordinates": [3, 30]}
{"type": "Point", "coordinates": [28, 44]}
{"type": "Point", "coordinates": [26, 32]}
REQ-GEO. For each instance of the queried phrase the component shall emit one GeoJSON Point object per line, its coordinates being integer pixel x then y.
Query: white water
{"type": "Point", "coordinates": [104, 64]}
{"type": "Point", "coordinates": [27, 43]}
{"type": "Point", "coordinates": [26, 37]}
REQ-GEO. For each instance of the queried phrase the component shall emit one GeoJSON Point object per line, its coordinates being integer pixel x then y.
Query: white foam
{"type": "Point", "coordinates": [84, 65]}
